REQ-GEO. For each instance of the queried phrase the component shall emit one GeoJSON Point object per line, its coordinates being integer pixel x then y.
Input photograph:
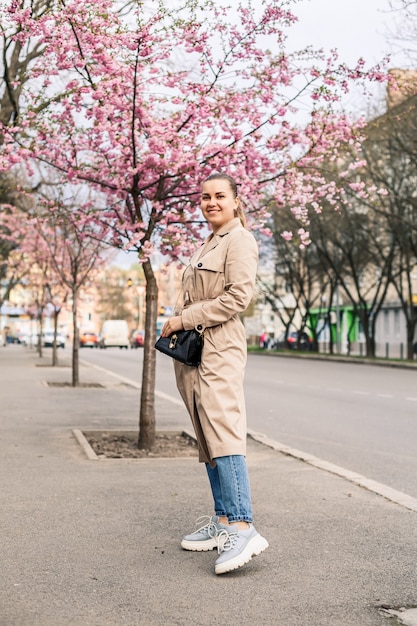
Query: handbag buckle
{"type": "Point", "coordinates": [173, 341]}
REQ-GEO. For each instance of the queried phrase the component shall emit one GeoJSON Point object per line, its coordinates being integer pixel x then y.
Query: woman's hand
{"type": "Point", "coordinates": [171, 326]}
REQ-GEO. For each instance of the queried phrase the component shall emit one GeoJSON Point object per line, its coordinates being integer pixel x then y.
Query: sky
{"type": "Point", "coordinates": [355, 27]}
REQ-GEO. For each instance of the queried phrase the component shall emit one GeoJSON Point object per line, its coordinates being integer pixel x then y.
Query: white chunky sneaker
{"type": "Point", "coordinates": [237, 547]}
{"type": "Point", "coordinates": [205, 537]}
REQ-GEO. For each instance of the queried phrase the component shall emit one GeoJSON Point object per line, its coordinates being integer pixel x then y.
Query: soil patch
{"type": "Point", "coordinates": [124, 445]}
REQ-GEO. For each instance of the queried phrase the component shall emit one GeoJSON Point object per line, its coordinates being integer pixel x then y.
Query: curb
{"type": "Point", "coordinates": [92, 456]}
{"type": "Point", "coordinates": [408, 365]}
{"type": "Point", "coordinates": [85, 446]}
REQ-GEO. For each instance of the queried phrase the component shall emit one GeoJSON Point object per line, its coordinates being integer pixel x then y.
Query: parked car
{"type": "Point", "coordinates": [22, 338]}
{"type": "Point", "coordinates": [32, 340]}
{"type": "Point", "coordinates": [296, 340]}
{"type": "Point", "coordinates": [114, 333]}
{"type": "Point", "coordinates": [89, 340]}
{"type": "Point", "coordinates": [48, 340]}
{"type": "Point", "coordinates": [12, 338]}
{"type": "Point", "coordinates": [137, 338]}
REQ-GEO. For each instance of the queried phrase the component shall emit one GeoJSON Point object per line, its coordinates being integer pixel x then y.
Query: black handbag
{"type": "Point", "coordinates": [184, 346]}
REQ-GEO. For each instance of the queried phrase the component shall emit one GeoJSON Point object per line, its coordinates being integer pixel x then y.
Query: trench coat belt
{"type": "Point", "coordinates": [189, 303]}
{"type": "Point", "coordinates": [235, 316]}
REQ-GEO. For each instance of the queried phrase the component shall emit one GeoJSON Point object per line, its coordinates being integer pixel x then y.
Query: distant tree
{"type": "Point", "coordinates": [12, 266]}
{"type": "Point", "coordinates": [299, 281]}
{"type": "Point", "coordinates": [76, 256]}
{"type": "Point", "coordinates": [403, 29]}
{"type": "Point", "coordinates": [390, 151]}
{"type": "Point", "coordinates": [114, 297]}
{"type": "Point", "coordinates": [16, 244]}
{"type": "Point", "coordinates": [351, 253]}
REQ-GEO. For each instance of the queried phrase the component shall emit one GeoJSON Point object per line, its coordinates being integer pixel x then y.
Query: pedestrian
{"type": "Point", "coordinates": [217, 285]}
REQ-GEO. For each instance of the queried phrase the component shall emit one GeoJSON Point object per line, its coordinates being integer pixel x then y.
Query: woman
{"type": "Point", "coordinates": [217, 286]}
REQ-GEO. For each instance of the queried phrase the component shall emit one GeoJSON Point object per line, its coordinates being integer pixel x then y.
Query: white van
{"type": "Point", "coordinates": [114, 333]}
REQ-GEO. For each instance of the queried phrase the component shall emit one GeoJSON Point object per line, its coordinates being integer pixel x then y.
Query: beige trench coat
{"type": "Point", "coordinates": [217, 286]}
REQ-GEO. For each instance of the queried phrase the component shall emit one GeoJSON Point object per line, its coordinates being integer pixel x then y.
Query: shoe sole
{"type": "Point", "coordinates": [257, 545]}
{"type": "Point", "coordinates": [199, 546]}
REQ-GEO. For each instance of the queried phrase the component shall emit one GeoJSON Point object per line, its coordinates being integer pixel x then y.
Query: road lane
{"type": "Point", "coordinates": [335, 411]}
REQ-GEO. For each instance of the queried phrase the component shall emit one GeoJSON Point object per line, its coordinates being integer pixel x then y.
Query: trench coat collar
{"type": "Point", "coordinates": [214, 239]}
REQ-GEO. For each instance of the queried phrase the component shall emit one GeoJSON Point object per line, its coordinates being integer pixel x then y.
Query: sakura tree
{"type": "Point", "coordinates": [13, 264]}
{"type": "Point", "coordinates": [142, 107]}
{"type": "Point", "coordinates": [27, 262]}
{"type": "Point", "coordinates": [56, 259]}
{"type": "Point", "coordinates": [75, 255]}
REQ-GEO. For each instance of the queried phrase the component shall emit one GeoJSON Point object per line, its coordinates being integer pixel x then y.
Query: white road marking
{"type": "Point", "coordinates": [134, 383]}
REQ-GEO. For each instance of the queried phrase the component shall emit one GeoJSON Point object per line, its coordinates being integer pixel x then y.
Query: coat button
{"type": "Point", "coordinates": [199, 327]}
{"type": "Point", "coordinates": [199, 265]}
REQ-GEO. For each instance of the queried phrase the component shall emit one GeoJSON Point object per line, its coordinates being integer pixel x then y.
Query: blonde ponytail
{"type": "Point", "coordinates": [240, 214]}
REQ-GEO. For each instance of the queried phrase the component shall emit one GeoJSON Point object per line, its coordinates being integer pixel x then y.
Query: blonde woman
{"type": "Point", "coordinates": [217, 285]}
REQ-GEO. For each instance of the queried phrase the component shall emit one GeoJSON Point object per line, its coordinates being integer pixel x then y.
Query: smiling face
{"type": "Point", "coordinates": [218, 202]}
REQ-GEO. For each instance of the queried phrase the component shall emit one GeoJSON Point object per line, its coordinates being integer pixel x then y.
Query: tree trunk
{"type": "Point", "coordinates": [411, 326]}
{"type": "Point", "coordinates": [54, 346]}
{"type": "Point", "coordinates": [75, 341]}
{"type": "Point", "coordinates": [39, 347]}
{"type": "Point", "coordinates": [329, 324]}
{"type": "Point", "coordinates": [146, 438]}
{"type": "Point", "coordinates": [369, 338]}
{"type": "Point", "coordinates": [349, 333]}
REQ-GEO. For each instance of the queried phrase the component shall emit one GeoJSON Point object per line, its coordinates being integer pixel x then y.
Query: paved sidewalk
{"type": "Point", "coordinates": [96, 543]}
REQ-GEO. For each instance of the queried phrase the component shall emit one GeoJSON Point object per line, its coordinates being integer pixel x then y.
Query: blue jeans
{"type": "Point", "coordinates": [229, 481]}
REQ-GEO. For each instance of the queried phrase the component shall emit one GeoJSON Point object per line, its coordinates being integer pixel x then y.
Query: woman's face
{"type": "Point", "coordinates": [218, 203]}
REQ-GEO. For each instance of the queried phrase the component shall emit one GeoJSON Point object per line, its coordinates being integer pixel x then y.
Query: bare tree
{"type": "Point", "coordinates": [402, 32]}
{"type": "Point", "coordinates": [115, 297]}
{"type": "Point", "coordinates": [75, 256]}
{"type": "Point", "coordinates": [353, 257]}
{"type": "Point", "coordinates": [391, 156]}
{"type": "Point", "coordinates": [299, 279]}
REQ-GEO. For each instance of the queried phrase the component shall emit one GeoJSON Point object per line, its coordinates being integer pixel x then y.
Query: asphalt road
{"type": "Point", "coordinates": [360, 417]}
